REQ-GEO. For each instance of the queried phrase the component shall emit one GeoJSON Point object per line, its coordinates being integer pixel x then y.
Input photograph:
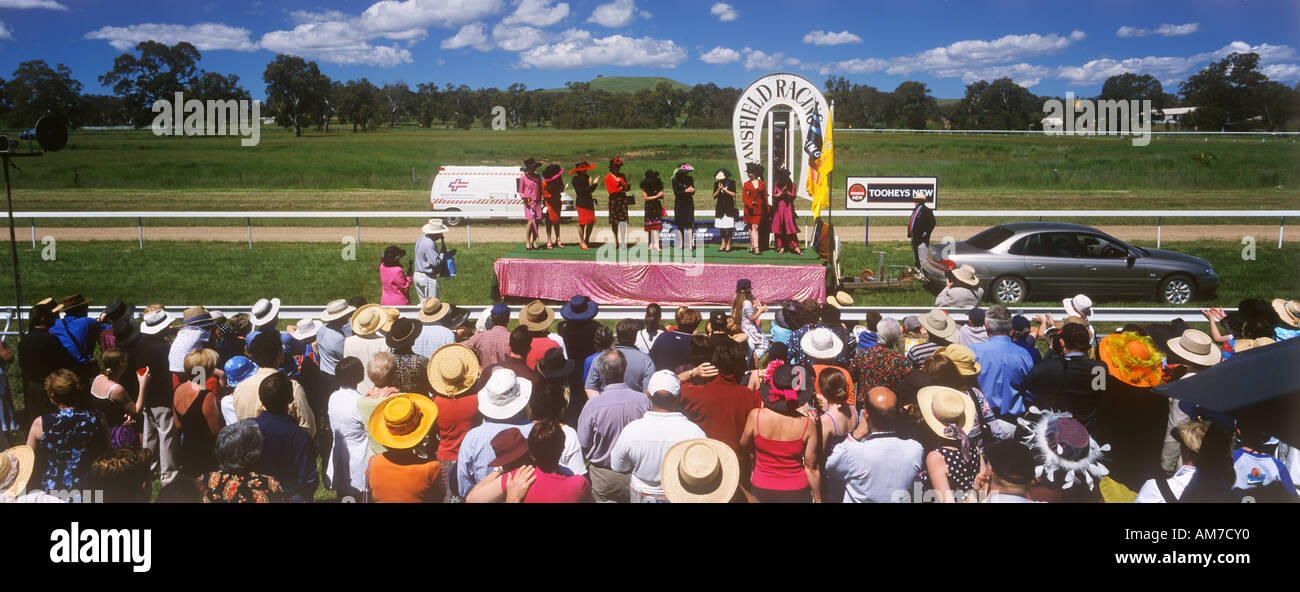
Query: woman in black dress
{"type": "Point", "coordinates": [652, 191]}
{"type": "Point", "coordinates": [724, 209]}
{"type": "Point", "coordinates": [684, 204]}
{"type": "Point", "coordinates": [617, 186]}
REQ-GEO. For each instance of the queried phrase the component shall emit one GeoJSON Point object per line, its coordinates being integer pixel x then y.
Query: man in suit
{"type": "Point", "coordinates": [919, 228]}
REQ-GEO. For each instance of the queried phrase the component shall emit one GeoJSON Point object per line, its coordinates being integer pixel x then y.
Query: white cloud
{"type": "Point", "coordinates": [204, 36]}
{"type": "Point", "coordinates": [335, 42]}
{"type": "Point", "coordinates": [4, 31]}
{"type": "Point", "coordinates": [537, 13]}
{"type": "Point", "coordinates": [47, 4]}
{"type": "Point", "coordinates": [829, 38]}
{"type": "Point", "coordinates": [394, 15]}
{"type": "Point", "coordinates": [517, 37]}
{"type": "Point", "coordinates": [1282, 72]}
{"type": "Point", "coordinates": [307, 17]}
{"type": "Point", "coordinates": [720, 55]}
{"type": "Point", "coordinates": [963, 58]}
{"type": "Point", "coordinates": [472, 35]}
{"type": "Point", "coordinates": [1095, 71]}
{"type": "Point", "coordinates": [725, 12]}
{"type": "Point", "coordinates": [1165, 30]}
{"type": "Point", "coordinates": [616, 14]}
{"type": "Point", "coordinates": [579, 49]}
{"type": "Point", "coordinates": [1025, 75]}
{"type": "Point", "coordinates": [757, 60]}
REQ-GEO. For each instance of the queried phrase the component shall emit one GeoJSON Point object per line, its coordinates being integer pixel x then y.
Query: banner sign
{"type": "Point", "coordinates": [782, 91]}
{"type": "Point", "coordinates": [890, 193]}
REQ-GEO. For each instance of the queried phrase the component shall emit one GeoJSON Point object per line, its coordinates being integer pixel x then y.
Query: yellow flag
{"type": "Point", "coordinates": [819, 181]}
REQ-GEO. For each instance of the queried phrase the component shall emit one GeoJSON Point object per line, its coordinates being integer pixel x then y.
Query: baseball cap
{"type": "Point", "coordinates": [1019, 323]}
{"type": "Point", "coordinates": [664, 380]}
{"type": "Point", "coordinates": [911, 323]}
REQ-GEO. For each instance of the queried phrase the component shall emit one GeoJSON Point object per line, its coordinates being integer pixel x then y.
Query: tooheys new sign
{"type": "Point", "coordinates": [890, 193]}
{"type": "Point", "coordinates": [747, 121]}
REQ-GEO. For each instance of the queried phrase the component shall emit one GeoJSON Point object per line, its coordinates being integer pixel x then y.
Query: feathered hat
{"type": "Point", "coordinates": [1061, 444]}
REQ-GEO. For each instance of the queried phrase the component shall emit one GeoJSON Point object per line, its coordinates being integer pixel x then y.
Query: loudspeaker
{"type": "Point", "coordinates": [50, 132]}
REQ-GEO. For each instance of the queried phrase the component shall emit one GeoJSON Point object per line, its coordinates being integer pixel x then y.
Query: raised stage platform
{"type": "Point", "coordinates": [670, 278]}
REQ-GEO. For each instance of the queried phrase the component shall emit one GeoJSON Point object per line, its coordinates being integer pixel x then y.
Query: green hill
{"type": "Point", "coordinates": [627, 84]}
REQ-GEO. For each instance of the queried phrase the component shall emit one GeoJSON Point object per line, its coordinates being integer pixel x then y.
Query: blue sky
{"type": "Point", "coordinates": [1052, 47]}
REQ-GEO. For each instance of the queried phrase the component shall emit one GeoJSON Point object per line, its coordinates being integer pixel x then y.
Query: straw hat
{"type": "Point", "coordinates": [941, 406]}
{"type": "Point", "coordinates": [264, 310]}
{"type": "Point", "coordinates": [841, 299]}
{"type": "Point", "coordinates": [1079, 306]}
{"type": "Point", "coordinates": [155, 322]}
{"type": "Point", "coordinates": [307, 329]}
{"type": "Point", "coordinates": [434, 226]}
{"type": "Point", "coordinates": [966, 275]}
{"type": "Point", "coordinates": [821, 343]}
{"type": "Point", "coordinates": [1133, 359]}
{"type": "Point", "coordinates": [367, 320]}
{"type": "Point", "coordinates": [70, 302]}
{"type": "Point", "coordinates": [197, 316]}
{"type": "Point", "coordinates": [390, 315]}
{"type": "Point", "coordinates": [452, 370]}
{"type": "Point", "coordinates": [962, 357]}
{"type": "Point", "coordinates": [938, 323]}
{"type": "Point", "coordinates": [15, 470]}
{"type": "Point", "coordinates": [336, 310]}
{"type": "Point", "coordinates": [402, 421]}
{"type": "Point", "coordinates": [1242, 345]}
{"type": "Point", "coordinates": [433, 310]}
{"type": "Point", "coordinates": [536, 316]}
{"type": "Point", "coordinates": [701, 471]}
{"type": "Point", "coordinates": [1288, 311]}
{"type": "Point", "coordinates": [504, 395]}
{"type": "Point", "coordinates": [1196, 347]}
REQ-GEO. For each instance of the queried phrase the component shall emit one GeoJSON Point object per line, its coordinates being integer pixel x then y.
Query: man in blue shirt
{"type": "Point", "coordinates": [1003, 367]}
{"type": "Point", "coordinates": [78, 334]}
{"type": "Point", "coordinates": [427, 260]}
{"type": "Point", "coordinates": [503, 403]}
{"type": "Point", "coordinates": [286, 447]}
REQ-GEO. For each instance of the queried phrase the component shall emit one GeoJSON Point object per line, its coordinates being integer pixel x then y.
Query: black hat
{"type": "Point", "coordinates": [780, 384]}
{"type": "Point", "coordinates": [531, 164]}
{"type": "Point", "coordinates": [615, 162]}
{"type": "Point", "coordinates": [393, 252]}
{"type": "Point", "coordinates": [125, 333]}
{"type": "Point", "coordinates": [651, 174]}
{"type": "Point", "coordinates": [788, 315]}
{"type": "Point", "coordinates": [1011, 461]}
{"type": "Point", "coordinates": [783, 176]}
{"type": "Point", "coordinates": [551, 170]}
{"type": "Point", "coordinates": [553, 364]}
{"type": "Point", "coordinates": [118, 309]}
{"type": "Point", "coordinates": [403, 333]}
{"type": "Point", "coordinates": [754, 168]}
{"type": "Point", "coordinates": [454, 318]}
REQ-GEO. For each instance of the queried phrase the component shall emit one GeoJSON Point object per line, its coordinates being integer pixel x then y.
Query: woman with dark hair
{"type": "Point", "coordinates": [552, 189]}
{"type": "Point", "coordinates": [652, 191]}
{"type": "Point", "coordinates": [783, 440]}
{"type": "Point", "coordinates": [684, 204]}
{"type": "Point", "coordinates": [749, 311]}
{"type": "Point", "coordinates": [546, 483]}
{"type": "Point", "coordinates": [724, 208]}
{"type": "Point", "coordinates": [645, 338]}
{"type": "Point", "coordinates": [69, 439]}
{"type": "Point", "coordinates": [548, 403]}
{"type": "Point", "coordinates": [392, 278]}
{"type": "Point", "coordinates": [584, 202]}
{"type": "Point", "coordinates": [238, 451]}
{"type": "Point", "coordinates": [954, 461]}
{"type": "Point", "coordinates": [617, 186]}
{"type": "Point", "coordinates": [755, 198]}
{"type": "Point", "coordinates": [784, 222]}
{"type": "Point", "coordinates": [530, 192]}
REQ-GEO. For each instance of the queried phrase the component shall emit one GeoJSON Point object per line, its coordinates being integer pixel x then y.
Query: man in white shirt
{"type": "Point", "coordinates": [1190, 434]}
{"type": "Point", "coordinates": [642, 444]}
{"type": "Point", "coordinates": [345, 469]}
{"type": "Point", "coordinates": [369, 333]}
{"type": "Point", "coordinates": [874, 463]}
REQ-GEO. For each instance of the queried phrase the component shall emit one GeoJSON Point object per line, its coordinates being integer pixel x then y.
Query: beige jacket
{"type": "Point", "coordinates": [249, 404]}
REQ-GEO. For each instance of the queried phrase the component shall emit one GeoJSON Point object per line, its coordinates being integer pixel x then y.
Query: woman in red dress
{"type": "Point", "coordinates": [783, 217]}
{"type": "Point", "coordinates": [552, 188]}
{"type": "Point", "coordinates": [755, 196]}
{"type": "Point", "coordinates": [584, 202]}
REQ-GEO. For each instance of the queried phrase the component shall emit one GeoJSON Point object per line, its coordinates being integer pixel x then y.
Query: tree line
{"type": "Point", "coordinates": [1231, 95]}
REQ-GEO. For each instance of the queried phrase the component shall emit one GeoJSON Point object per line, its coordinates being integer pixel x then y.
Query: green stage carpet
{"type": "Point", "coordinates": [670, 255]}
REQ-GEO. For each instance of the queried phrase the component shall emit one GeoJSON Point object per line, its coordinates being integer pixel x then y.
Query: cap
{"type": "Point", "coordinates": [500, 309]}
{"type": "Point", "coordinates": [664, 380]}
{"type": "Point", "coordinates": [911, 323]}
{"type": "Point", "coordinates": [1019, 323]}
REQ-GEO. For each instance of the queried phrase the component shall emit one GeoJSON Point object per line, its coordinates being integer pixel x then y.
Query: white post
{"type": "Point", "coordinates": [469, 242]}
{"type": "Point", "coordinates": [1281, 225]}
{"type": "Point", "coordinates": [250, 232]}
{"type": "Point", "coordinates": [140, 222]}
{"type": "Point", "coordinates": [1157, 232]}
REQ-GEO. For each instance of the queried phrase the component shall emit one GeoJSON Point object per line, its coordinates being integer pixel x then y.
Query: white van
{"type": "Point", "coordinates": [481, 190]}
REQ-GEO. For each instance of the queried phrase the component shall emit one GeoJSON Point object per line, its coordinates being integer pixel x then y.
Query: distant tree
{"type": "Point", "coordinates": [543, 104]}
{"type": "Point", "coordinates": [859, 105]}
{"type": "Point", "coordinates": [397, 101]}
{"type": "Point", "coordinates": [1000, 105]}
{"type": "Point", "coordinates": [518, 105]}
{"type": "Point", "coordinates": [36, 90]}
{"type": "Point", "coordinates": [360, 104]}
{"type": "Point", "coordinates": [159, 72]}
{"type": "Point", "coordinates": [1225, 94]}
{"type": "Point", "coordinates": [211, 86]}
{"type": "Point", "coordinates": [668, 103]}
{"type": "Point", "coordinates": [332, 100]}
{"type": "Point", "coordinates": [708, 106]}
{"type": "Point", "coordinates": [430, 103]}
{"type": "Point", "coordinates": [104, 110]}
{"type": "Point", "coordinates": [1277, 104]}
{"type": "Point", "coordinates": [913, 105]}
{"type": "Point", "coordinates": [296, 89]}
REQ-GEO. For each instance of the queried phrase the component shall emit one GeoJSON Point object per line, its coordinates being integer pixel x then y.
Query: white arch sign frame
{"type": "Point", "coordinates": [750, 114]}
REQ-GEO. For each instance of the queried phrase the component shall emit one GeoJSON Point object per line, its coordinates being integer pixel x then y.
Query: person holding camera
{"type": "Point", "coordinates": [430, 260]}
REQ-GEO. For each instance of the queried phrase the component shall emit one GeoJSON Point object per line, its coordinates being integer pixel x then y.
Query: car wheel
{"type": "Point", "coordinates": [454, 220]}
{"type": "Point", "coordinates": [1009, 289]}
{"type": "Point", "coordinates": [1176, 289]}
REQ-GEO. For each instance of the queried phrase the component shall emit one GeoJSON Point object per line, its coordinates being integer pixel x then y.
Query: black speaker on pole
{"type": "Point", "coordinates": [51, 132]}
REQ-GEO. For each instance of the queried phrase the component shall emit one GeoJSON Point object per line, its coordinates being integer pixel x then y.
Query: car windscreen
{"type": "Point", "coordinates": [990, 238]}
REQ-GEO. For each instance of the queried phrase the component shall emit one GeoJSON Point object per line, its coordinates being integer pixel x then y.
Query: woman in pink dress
{"type": "Point", "coordinates": [530, 191]}
{"type": "Point", "coordinates": [393, 279]}
{"type": "Point", "coordinates": [783, 218]}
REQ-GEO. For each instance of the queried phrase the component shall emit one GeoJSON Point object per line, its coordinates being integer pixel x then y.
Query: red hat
{"type": "Point", "coordinates": [510, 446]}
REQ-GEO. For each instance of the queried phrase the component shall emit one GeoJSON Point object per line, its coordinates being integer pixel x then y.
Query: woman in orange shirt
{"type": "Point", "coordinates": [407, 471]}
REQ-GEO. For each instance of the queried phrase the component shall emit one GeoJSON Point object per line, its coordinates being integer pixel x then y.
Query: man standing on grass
{"type": "Point", "coordinates": [642, 444]}
{"type": "Point", "coordinates": [602, 421]}
{"type": "Point", "coordinates": [428, 259]}
{"type": "Point", "coordinates": [919, 227]}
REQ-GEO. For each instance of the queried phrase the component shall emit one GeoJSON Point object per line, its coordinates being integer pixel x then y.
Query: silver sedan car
{"type": "Point", "coordinates": [1052, 259]}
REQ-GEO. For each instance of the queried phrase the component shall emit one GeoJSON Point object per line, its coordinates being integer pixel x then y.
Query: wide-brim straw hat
{"type": "Point", "coordinates": [336, 310]}
{"type": "Point", "coordinates": [306, 329]}
{"type": "Point", "coordinates": [390, 315]}
{"type": "Point", "coordinates": [453, 370]}
{"type": "Point", "coordinates": [1196, 347]}
{"type": "Point", "coordinates": [840, 299]}
{"type": "Point", "coordinates": [367, 320]}
{"type": "Point", "coordinates": [264, 310]}
{"type": "Point", "coordinates": [433, 310]}
{"type": "Point", "coordinates": [1242, 345]}
{"type": "Point", "coordinates": [966, 275]}
{"type": "Point", "coordinates": [1288, 311]}
{"type": "Point", "coordinates": [434, 226]}
{"type": "Point", "coordinates": [821, 343]}
{"type": "Point", "coordinates": [536, 316]}
{"type": "Point", "coordinates": [962, 357]}
{"type": "Point", "coordinates": [16, 470]}
{"type": "Point", "coordinates": [1132, 359]}
{"type": "Point", "coordinates": [197, 316]}
{"type": "Point", "coordinates": [701, 471]}
{"type": "Point", "coordinates": [156, 322]}
{"type": "Point", "coordinates": [402, 421]}
{"type": "Point", "coordinates": [941, 406]}
{"type": "Point", "coordinates": [70, 302]}
{"type": "Point", "coordinates": [938, 323]}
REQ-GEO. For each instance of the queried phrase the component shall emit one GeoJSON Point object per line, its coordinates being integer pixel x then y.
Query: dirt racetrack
{"type": "Point", "coordinates": [853, 234]}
